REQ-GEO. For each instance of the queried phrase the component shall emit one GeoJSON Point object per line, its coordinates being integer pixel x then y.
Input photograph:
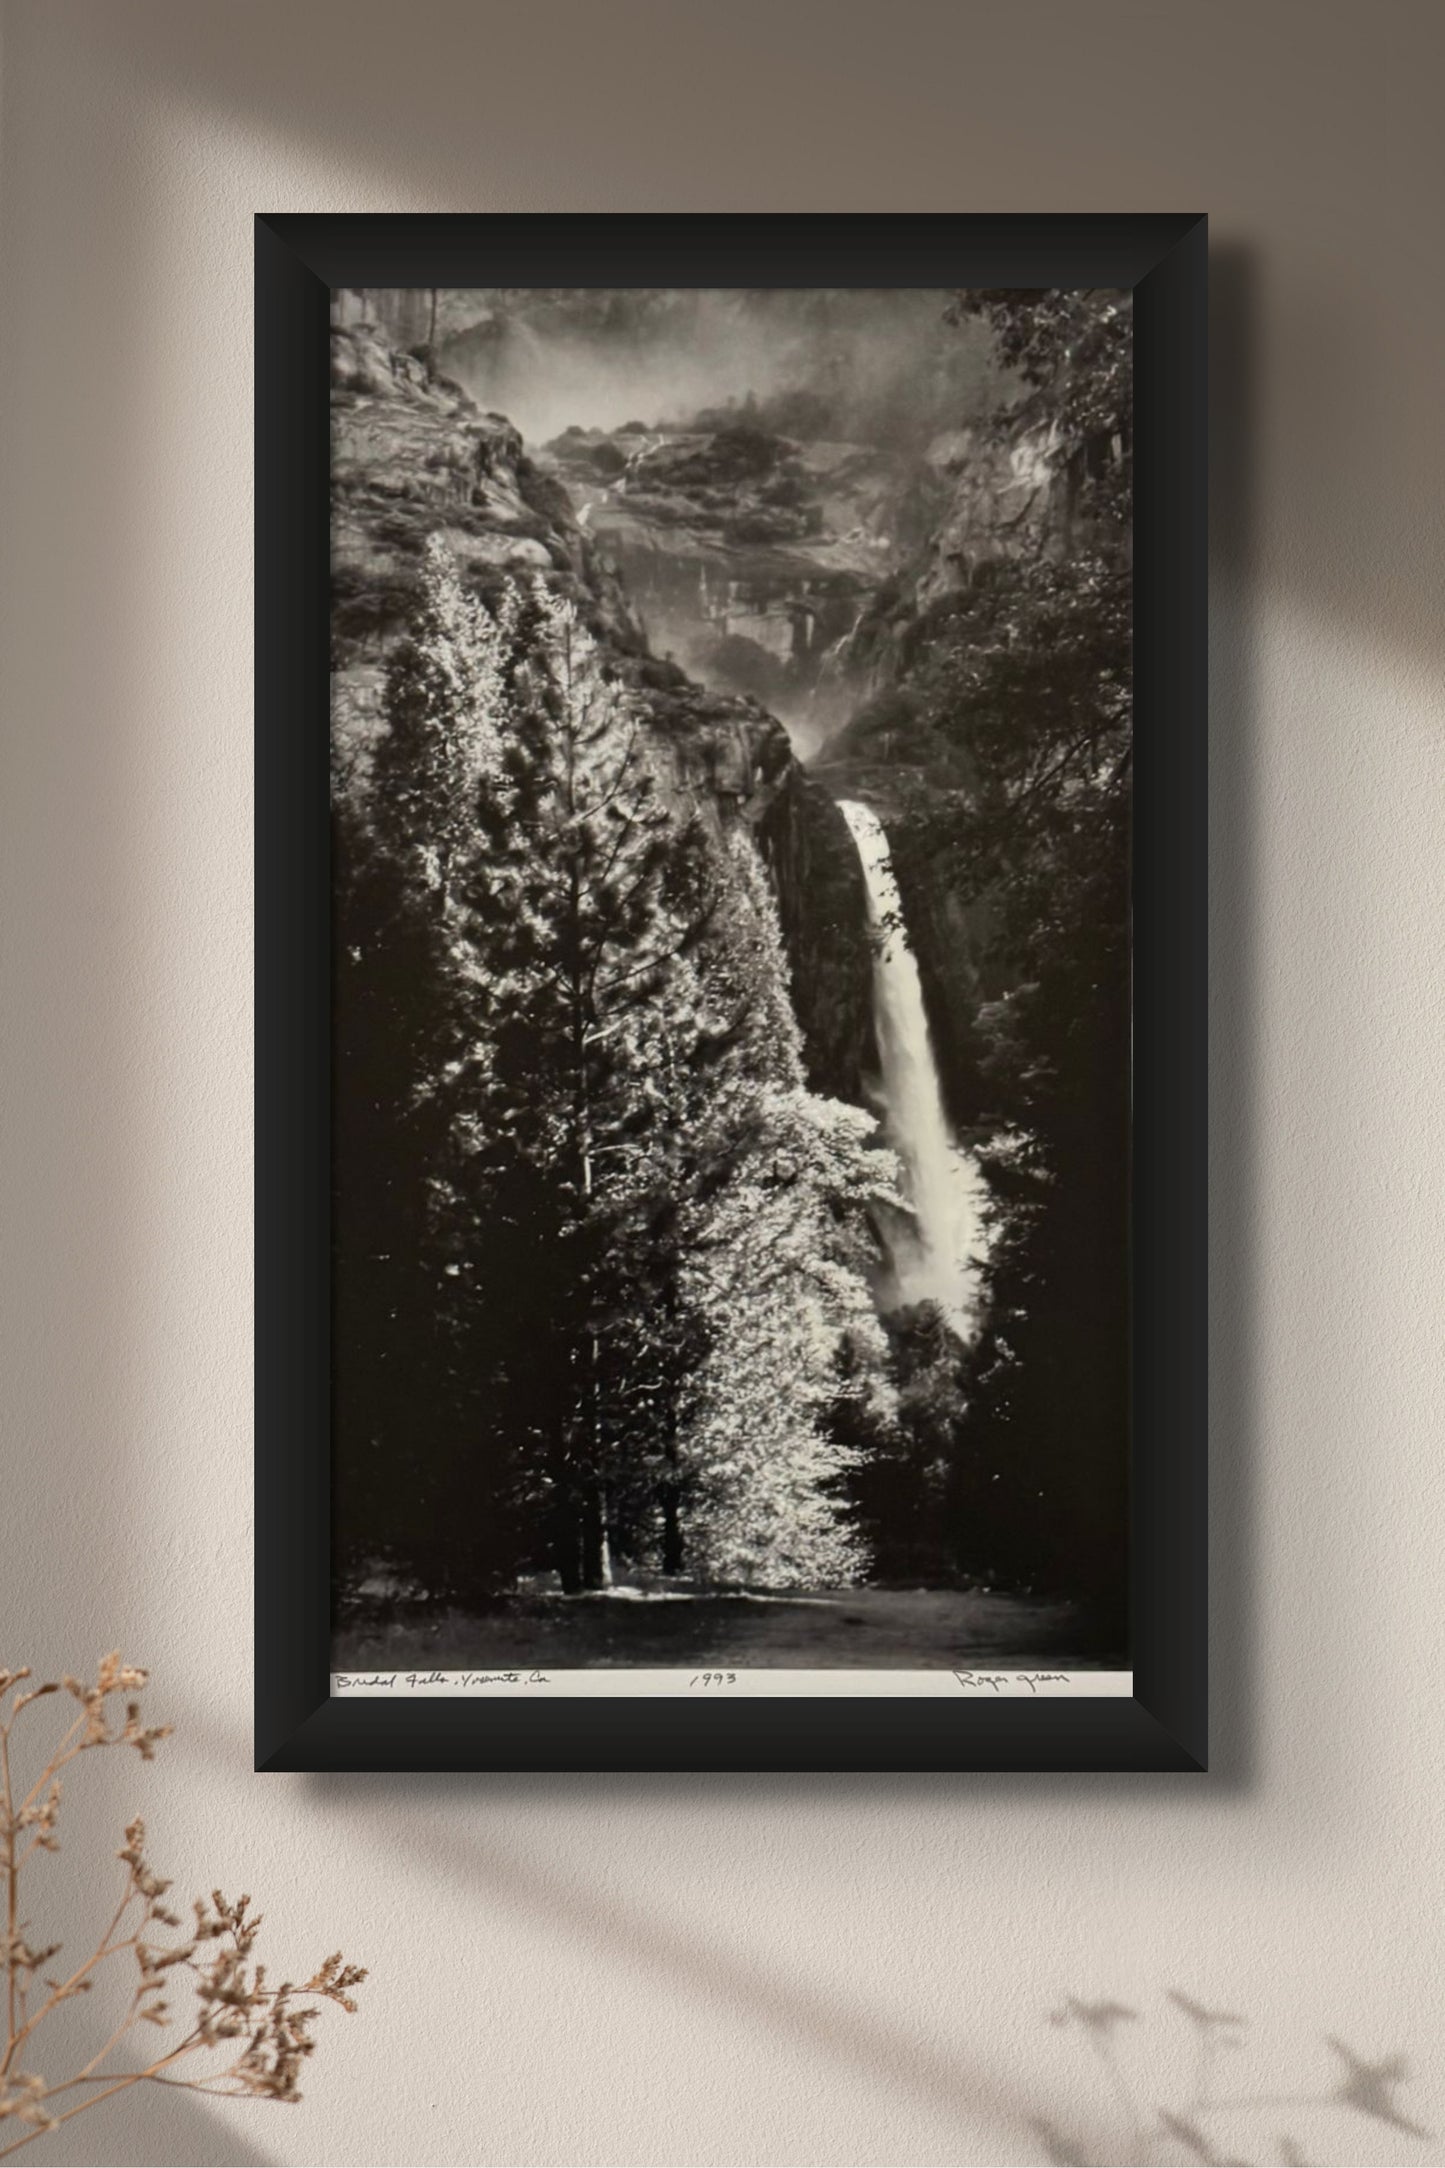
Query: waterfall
{"type": "Point", "coordinates": [935, 1254]}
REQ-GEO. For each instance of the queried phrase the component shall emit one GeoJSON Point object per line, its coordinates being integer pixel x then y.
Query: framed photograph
{"type": "Point", "coordinates": [731, 992]}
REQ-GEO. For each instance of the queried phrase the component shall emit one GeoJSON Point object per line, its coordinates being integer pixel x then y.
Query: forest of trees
{"type": "Point", "coordinates": [601, 1259]}
{"type": "Point", "coordinates": [1027, 677]}
{"type": "Point", "coordinates": [603, 1263]}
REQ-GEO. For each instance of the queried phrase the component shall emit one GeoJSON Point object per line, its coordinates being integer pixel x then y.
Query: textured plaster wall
{"type": "Point", "coordinates": [682, 1970]}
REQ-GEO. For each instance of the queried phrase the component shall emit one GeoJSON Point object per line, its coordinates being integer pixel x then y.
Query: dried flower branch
{"type": "Point", "coordinates": [261, 2029]}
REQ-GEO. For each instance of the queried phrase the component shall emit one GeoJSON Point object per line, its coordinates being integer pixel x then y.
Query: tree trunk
{"type": "Point", "coordinates": [593, 1531]}
{"type": "Point", "coordinates": [671, 1529]}
{"type": "Point", "coordinates": [567, 1548]}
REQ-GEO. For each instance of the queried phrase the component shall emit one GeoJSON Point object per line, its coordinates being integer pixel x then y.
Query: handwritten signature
{"type": "Point", "coordinates": [996, 1681]}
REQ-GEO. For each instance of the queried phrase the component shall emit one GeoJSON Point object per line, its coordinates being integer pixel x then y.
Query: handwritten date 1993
{"type": "Point", "coordinates": [713, 1678]}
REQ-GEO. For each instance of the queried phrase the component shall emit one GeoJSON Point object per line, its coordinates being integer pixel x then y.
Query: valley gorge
{"type": "Point", "coordinates": [764, 580]}
{"type": "Point", "coordinates": [834, 555]}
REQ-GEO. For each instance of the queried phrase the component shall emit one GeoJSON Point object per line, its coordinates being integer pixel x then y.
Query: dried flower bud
{"type": "Point", "coordinates": [23, 2096]}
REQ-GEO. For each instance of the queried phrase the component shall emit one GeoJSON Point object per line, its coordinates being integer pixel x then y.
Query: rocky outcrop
{"type": "Point", "coordinates": [998, 497]}
{"type": "Point", "coordinates": [401, 316]}
{"type": "Point", "coordinates": [411, 456]}
{"type": "Point", "coordinates": [750, 555]}
{"type": "Point", "coordinates": [823, 910]}
{"type": "Point", "coordinates": [804, 571]}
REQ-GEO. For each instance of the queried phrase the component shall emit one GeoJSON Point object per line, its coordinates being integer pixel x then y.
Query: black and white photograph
{"type": "Point", "coordinates": [731, 778]}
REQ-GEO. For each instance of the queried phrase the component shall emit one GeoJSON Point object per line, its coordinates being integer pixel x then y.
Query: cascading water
{"type": "Point", "coordinates": [935, 1255]}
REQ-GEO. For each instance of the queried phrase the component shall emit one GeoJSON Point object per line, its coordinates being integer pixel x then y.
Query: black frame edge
{"type": "Point", "coordinates": [293, 938]}
{"type": "Point", "coordinates": [1169, 1537]}
{"type": "Point", "coordinates": [1162, 257]}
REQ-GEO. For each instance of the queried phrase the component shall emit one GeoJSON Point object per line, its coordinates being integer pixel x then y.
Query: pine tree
{"type": "Point", "coordinates": [429, 1471]}
{"type": "Point", "coordinates": [447, 697]}
{"type": "Point", "coordinates": [581, 897]}
{"type": "Point", "coordinates": [777, 1251]}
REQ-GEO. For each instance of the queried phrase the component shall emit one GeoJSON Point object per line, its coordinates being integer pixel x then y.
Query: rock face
{"type": "Point", "coordinates": [750, 555]}
{"type": "Point", "coordinates": [802, 570]}
{"type": "Point", "coordinates": [823, 909]}
{"type": "Point", "coordinates": [401, 315]}
{"type": "Point", "coordinates": [412, 456]}
{"type": "Point", "coordinates": [995, 499]}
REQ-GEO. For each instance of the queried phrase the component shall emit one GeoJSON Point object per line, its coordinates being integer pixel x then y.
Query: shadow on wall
{"type": "Point", "coordinates": [820, 2021]}
{"type": "Point", "coordinates": [95, 1080]}
{"type": "Point", "coordinates": [1234, 1021]}
{"type": "Point", "coordinates": [1195, 2121]}
{"type": "Point", "coordinates": [468, 105]}
{"type": "Point", "coordinates": [142, 2131]}
{"type": "Point", "coordinates": [1205, 2123]}
{"type": "Point", "coordinates": [1162, 2098]}
{"type": "Point", "coordinates": [142, 2128]}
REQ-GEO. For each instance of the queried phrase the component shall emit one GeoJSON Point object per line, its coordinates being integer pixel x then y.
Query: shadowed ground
{"type": "Point", "coordinates": [861, 1629]}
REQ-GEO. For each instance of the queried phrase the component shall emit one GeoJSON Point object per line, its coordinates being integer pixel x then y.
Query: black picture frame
{"type": "Point", "coordinates": [1161, 259]}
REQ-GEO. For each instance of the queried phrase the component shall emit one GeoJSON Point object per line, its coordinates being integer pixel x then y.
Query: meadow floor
{"type": "Point", "coordinates": [857, 1628]}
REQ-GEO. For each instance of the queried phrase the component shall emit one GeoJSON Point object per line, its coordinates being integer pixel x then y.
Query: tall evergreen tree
{"type": "Point", "coordinates": [572, 899]}
{"type": "Point", "coordinates": [428, 1468]}
{"type": "Point", "coordinates": [628, 1248]}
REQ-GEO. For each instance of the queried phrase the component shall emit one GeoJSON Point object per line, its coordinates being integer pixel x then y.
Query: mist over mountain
{"type": "Point", "coordinates": [861, 364]}
{"type": "Point", "coordinates": [755, 464]}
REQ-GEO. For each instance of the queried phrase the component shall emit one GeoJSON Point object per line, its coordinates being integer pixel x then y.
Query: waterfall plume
{"type": "Point", "coordinates": [934, 1255]}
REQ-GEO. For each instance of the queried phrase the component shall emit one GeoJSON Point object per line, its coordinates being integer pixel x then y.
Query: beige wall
{"type": "Point", "coordinates": [690, 1970]}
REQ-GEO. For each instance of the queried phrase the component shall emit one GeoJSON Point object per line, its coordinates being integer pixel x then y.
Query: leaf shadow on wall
{"type": "Point", "coordinates": [1215, 2127]}
{"type": "Point", "coordinates": [1146, 2115]}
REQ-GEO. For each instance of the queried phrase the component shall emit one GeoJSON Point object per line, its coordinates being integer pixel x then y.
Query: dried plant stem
{"type": "Point", "coordinates": [12, 1889]}
{"type": "Point", "coordinates": [265, 2035]}
{"type": "Point", "coordinates": [103, 1949]}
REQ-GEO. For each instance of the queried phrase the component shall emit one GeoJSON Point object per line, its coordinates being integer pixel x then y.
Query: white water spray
{"type": "Point", "coordinates": [936, 1255]}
